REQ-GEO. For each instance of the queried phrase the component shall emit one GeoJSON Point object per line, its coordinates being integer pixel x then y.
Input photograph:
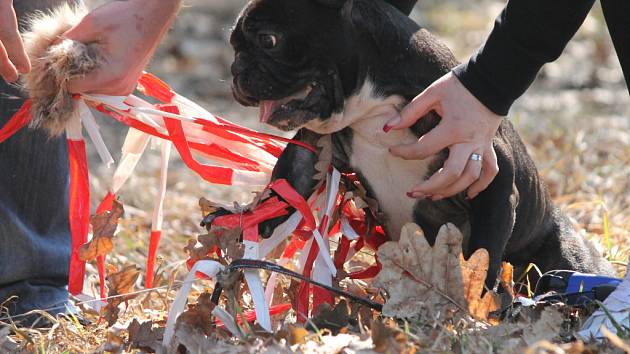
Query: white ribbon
{"type": "Point", "coordinates": [256, 288]}
{"type": "Point", "coordinates": [94, 133]}
{"type": "Point", "coordinates": [210, 269]}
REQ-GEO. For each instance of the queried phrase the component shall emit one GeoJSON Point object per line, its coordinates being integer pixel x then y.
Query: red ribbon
{"type": "Point", "coordinates": [152, 86]}
{"type": "Point", "coordinates": [79, 211]}
{"type": "Point", "coordinates": [154, 242]}
{"type": "Point", "coordinates": [106, 205]}
{"type": "Point", "coordinates": [250, 315]}
{"type": "Point", "coordinates": [17, 122]}
{"type": "Point", "coordinates": [212, 174]}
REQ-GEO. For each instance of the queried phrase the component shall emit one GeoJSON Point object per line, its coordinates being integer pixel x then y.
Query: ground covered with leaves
{"type": "Point", "coordinates": [575, 121]}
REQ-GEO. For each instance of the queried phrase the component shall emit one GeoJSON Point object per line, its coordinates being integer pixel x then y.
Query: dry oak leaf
{"type": "Point", "coordinates": [120, 283]}
{"type": "Point", "coordinates": [419, 277]}
{"type": "Point", "coordinates": [333, 318]}
{"type": "Point", "coordinates": [144, 336]}
{"type": "Point", "coordinates": [104, 226]}
{"type": "Point", "coordinates": [208, 207]}
{"type": "Point", "coordinates": [388, 338]}
{"type": "Point", "coordinates": [296, 334]}
{"type": "Point", "coordinates": [198, 315]}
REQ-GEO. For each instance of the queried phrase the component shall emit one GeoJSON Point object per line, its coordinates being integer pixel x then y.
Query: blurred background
{"type": "Point", "coordinates": [575, 120]}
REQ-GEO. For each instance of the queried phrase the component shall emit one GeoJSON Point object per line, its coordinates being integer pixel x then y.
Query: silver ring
{"type": "Point", "coordinates": [475, 157]}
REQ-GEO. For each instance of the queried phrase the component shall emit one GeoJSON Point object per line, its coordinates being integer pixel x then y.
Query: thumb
{"type": "Point", "coordinates": [83, 32]}
{"type": "Point", "coordinates": [416, 109]}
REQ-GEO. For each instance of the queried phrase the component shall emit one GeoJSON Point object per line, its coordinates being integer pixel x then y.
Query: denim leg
{"type": "Point", "coordinates": [35, 242]}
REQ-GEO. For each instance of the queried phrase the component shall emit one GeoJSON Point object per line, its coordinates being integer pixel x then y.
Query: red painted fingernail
{"type": "Point", "coordinates": [416, 195]}
{"type": "Point", "coordinates": [387, 128]}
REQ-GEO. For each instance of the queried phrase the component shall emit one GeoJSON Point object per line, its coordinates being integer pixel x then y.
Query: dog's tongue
{"type": "Point", "coordinates": [266, 109]}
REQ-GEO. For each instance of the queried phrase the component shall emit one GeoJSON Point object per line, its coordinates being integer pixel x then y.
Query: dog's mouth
{"type": "Point", "coordinates": [268, 108]}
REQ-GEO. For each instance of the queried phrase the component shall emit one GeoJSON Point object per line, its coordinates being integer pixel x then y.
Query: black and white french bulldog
{"type": "Point", "coordinates": [344, 68]}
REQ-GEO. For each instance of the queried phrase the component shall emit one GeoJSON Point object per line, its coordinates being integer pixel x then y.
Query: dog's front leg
{"type": "Point", "coordinates": [297, 166]}
{"type": "Point", "coordinates": [493, 215]}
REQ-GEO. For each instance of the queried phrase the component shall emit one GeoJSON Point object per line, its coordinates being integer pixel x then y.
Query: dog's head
{"type": "Point", "coordinates": [295, 59]}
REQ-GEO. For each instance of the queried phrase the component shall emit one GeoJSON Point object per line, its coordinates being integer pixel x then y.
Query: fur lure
{"type": "Point", "coordinates": [54, 62]}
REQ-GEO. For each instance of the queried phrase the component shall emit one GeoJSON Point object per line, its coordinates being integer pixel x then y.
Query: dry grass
{"type": "Point", "coordinates": [578, 133]}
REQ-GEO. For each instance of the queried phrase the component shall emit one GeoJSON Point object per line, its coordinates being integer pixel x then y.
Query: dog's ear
{"type": "Point", "coordinates": [332, 3]}
{"type": "Point", "coordinates": [405, 6]}
{"type": "Point", "coordinates": [393, 38]}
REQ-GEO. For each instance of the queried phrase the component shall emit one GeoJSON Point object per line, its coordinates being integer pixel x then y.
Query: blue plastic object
{"type": "Point", "coordinates": [574, 288]}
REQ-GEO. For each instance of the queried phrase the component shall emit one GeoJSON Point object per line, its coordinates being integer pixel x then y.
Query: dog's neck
{"type": "Point", "coordinates": [363, 105]}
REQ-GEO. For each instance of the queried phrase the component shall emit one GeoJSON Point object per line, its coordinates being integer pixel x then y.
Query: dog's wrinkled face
{"type": "Point", "coordinates": [293, 59]}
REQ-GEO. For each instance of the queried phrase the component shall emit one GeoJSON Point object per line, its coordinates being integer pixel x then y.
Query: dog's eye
{"type": "Point", "coordinates": [267, 41]}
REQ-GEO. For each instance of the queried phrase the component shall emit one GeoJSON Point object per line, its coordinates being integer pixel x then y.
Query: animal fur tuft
{"type": "Point", "coordinates": [54, 61]}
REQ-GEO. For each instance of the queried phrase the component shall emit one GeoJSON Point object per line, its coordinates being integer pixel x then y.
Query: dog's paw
{"type": "Point", "coordinates": [209, 219]}
{"type": "Point", "coordinates": [267, 227]}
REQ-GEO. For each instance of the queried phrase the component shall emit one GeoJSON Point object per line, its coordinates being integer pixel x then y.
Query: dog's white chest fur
{"type": "Point", "coordinates": [389, 177]}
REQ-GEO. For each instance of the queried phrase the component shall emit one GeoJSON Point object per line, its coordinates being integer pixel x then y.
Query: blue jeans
{"type": "Point", "coordinates": [35, 242]}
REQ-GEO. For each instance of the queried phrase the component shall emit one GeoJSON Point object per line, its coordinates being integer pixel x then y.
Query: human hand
{"type": "Point", "coordinates": [467, 128]}
{"type": "Point", "coordinates": [13, 58]}
{"type": "Point", "coordinates": [126, 34]}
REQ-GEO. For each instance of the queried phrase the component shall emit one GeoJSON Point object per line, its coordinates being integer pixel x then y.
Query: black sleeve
{"type": "Point", "coordinates": [526, 35]}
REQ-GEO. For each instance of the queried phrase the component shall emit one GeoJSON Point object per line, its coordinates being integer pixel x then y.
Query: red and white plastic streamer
{"type": "Point", "coordinates": [221, 152]}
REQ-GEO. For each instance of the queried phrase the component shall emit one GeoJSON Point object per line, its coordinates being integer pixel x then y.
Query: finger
{"type": "Point", "coordinates": [449, 174]}
{"type": "Point", "coordinates": [489, 170]}
{"type": "Point", "coordinates": [7, 70]}
{"type": "Point", "coordinates": [102, 82]}
{"type": "Point", "coordinates": [429, 144]}
{"type": "Point", "coordinates": [12, 41]}
{"type": "Point", "coordinates": [86, 83]}
{"type": "Point", "coordinates": [470, 175]}
{"type": "Point", "coordinates": [416, 109]}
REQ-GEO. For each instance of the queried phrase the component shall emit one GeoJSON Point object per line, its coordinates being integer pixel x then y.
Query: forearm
{"type": "Point", "coordinates": [154, 18]}
{"type": "Point", "coordinates": [164, 11]}
{"type": "Point", "coordinates": [526, 35]}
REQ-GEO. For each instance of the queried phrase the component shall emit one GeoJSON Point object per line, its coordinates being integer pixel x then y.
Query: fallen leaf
{"type": "Point", "coordinates": [208, 207]}
{"type": "Point", "coordinates": [114, 343]}
{"type": "Point", "coordinates": [507, 278]}
{"type": "Point", "coordinates": [144, 336]}
{"type": "Point", "coordinates": [360, 195]}
{"type": "Point", "coordinates": [334, 319]}
{"type": "Point", "coordinates": [104, 226]}
{"type": "Point", "coordinates": [199, 315]}
{"type": "Point", "coordinates": [120, 284]}
{"type": "Point", "coordinates": [217, 238]}
{"type": "Point", "coordinates": [419, 277]}
{"type": "Point", "coordinates": [474, 272]}
{"type": "Point", "coordinates": [229, 241]}
{"type": "Point", "coordinates": [388, 338]}
{"type": "Point", "coordinates": [296, 334]}
{"type": "Point", "coordinates": [529, 332]}
{"type": "Point", "coordinates": [325, 157]}
{"type": "Point", "coordinates": [547, 327]}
